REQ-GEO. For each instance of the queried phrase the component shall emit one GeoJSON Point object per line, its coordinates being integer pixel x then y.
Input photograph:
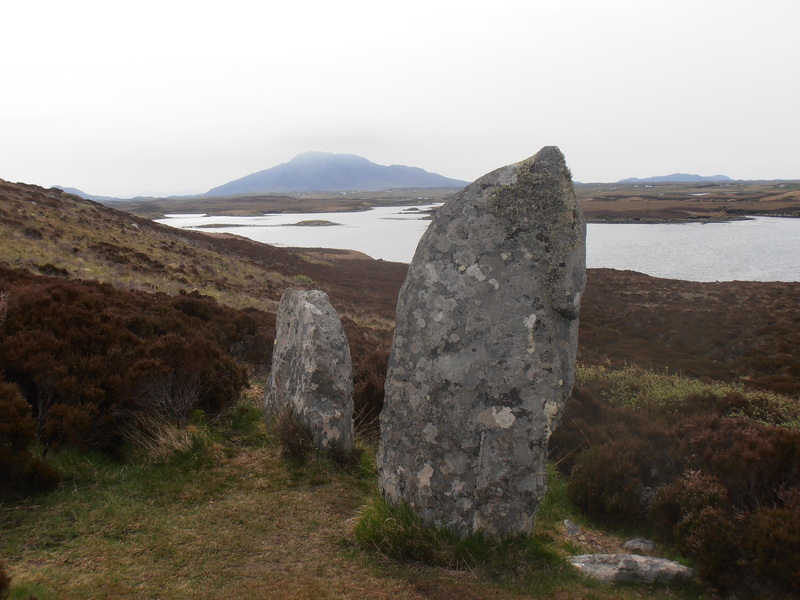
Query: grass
{"type": "Point", "coordinates": [644, 388]}
{"type": "Point", "coordinates": [215, 510]}
{"type": "Point", "coordinates": [398, 532]}
{"type": "Point", "coordinates": [228, 516]}
{"type": "Point", "coordinates": [530, 561]}
{"type": "Point", "coordinates": [531, 566]}
{"type": "Point", "coordinates": [85, 240]}
{"type": "Point", "coordinates": [205, 523]}
{"type": "Point", "coordinates": [92, 242]}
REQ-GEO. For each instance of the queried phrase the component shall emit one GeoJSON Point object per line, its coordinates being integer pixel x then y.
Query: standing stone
{"type": "Point", "coordinates": [483, 358]}
{"type": "Point", "coordinates": [312, 374]}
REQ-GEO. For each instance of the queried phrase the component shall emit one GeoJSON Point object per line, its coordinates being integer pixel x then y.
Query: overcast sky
{"type": "Point", "coordinates": [171, 96]}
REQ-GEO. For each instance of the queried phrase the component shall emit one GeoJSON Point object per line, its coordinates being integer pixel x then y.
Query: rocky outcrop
{"type": "Point", "coordinates": [631, 568]}
{"type": "Point", "coordinates": [312, 375]}
{"type": "Point", "coordinates": [483, 357]}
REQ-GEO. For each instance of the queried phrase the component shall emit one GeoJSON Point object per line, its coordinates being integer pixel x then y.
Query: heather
{"type": "Point", "coordinates": [691, 468]}
{"type": "Point", "coordinates": [136, 461]}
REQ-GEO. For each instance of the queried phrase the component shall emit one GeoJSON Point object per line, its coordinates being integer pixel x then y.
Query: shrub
{"type": "Point", "coordinates": [680, 395]}
{"type": "Point", "coordinates": [20, 470]}
{"type": "Point", "coordinates": [578, 429]}
{"type": "Point", "coordinates": [711, 536]}
{"type": "Point", "coordinates": [69, 427]}
{"type": "Point", "coordinates": [52, 270]}
{"type": "Point", "coordinates": [89, 358]}
{"type": "Point", "coordinates": [5, 583]}
{"type": "Point", "coordinates": [772, 539]}
{"type": "Point", "coordinates": [673, 504]}
{"type": "Point", "coordinates": [614, 482]}
{"type": "Point", "coordinates": [723, 489]}
{"type": "Point", "coordinates": [590, 422]}
{"type": "Point", "coordinates": [174, 378]}
{"type": "Point", "coordinates": [369, 377]}
{"type": "Point", "coordinates": [754, 462]}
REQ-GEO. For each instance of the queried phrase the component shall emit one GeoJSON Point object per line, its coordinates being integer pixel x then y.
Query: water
{"type": "Point", "coordinates": [758, 249]}
{"type": "Point", "coordinates": [390, 233]}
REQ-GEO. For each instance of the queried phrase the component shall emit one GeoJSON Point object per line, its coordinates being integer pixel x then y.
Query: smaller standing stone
{"type": "Point", "coordinates": [312, 373]}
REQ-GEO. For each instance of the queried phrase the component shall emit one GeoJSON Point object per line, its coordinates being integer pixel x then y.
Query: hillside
{"type": "Point", "coordinates": [215, 507]}
{"type": "Point", "coordinates": [53, 233]}
{"type": "Point", "coordinates": [50, 232]}
{"type": "Point", "coordinates": [322, 171]}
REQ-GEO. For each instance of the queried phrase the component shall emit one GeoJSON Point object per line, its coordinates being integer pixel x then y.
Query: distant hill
{"type": "Point", "coordinates": [84, 195]}
{"type": "Point", "coordinates": [677, 178]}
{"type": "Point", "coordinates": [111, 199]}
{"type": "Point", "coordinates": [326, 172]}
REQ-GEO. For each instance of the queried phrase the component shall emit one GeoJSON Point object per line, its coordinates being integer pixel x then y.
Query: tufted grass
{"type": "Point", "coordinates": [229, 516]}
{"type": "Point", "coordinates": [635, 387]}
{"type": "Point", "coordinates": [396, 531]}
{"type": "Point", "coordinates": [523, 566]}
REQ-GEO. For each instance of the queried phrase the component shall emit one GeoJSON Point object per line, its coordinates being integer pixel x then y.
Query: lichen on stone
{"type": "Point", "coordinates": [484, 350]}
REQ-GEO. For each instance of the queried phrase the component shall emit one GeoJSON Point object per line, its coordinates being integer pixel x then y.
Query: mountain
{"type": "Point", "coordinates": [677, 178]}
{"type": "Point", "coordinates": [326, 172]}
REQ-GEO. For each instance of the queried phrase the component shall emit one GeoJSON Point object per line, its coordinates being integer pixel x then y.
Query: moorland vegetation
{"type": "Point", "coordinates": [135, 460]}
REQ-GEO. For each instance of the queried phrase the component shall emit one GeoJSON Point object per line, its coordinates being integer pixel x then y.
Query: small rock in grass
{"type": "Point", "coordinates": [639, 545]}
{"type": "Point", "coordinates": [631, 568]}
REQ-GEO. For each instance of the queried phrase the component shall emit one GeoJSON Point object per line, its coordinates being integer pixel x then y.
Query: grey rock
{"type": "Point", "coordinates": [483, 358]}
{"type": "Point", "coordinates": [631, 568]}
{"type": "Point", "coordinates": [312, 373]}
{"type": "Point", "coordinates": [571, 529]}
{"type": "Point", "coordinates": [639, 545]}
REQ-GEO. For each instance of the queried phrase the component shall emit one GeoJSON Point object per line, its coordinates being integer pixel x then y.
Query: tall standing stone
{"type": "Point", "coordinates": [483, 358]}
{"type": "Point", "coordinates": [312, 373]}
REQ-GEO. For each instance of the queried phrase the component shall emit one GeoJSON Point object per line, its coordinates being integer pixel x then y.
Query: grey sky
{"type": "Point", "coordinates": [170, 96]}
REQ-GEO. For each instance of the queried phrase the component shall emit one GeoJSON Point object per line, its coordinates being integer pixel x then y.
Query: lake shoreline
{"type": "Point", "coordinates": [601, 202]}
